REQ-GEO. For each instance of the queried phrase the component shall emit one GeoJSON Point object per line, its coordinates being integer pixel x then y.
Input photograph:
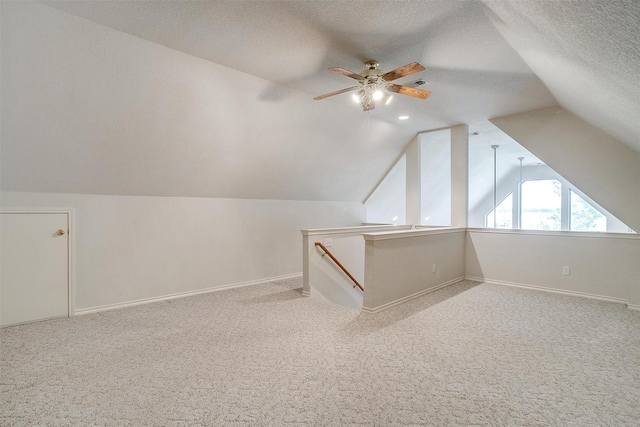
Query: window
{"type": "Point", "coordinates": [504, 218]}
{"type": "Point", "coordinates": [500, 168]}
{"type": "Point", "coordinates": [585, 217]}
{"type": "Point", "coordinates": [502, 175]}
{"type": "Point", "coordinates": [541, 204]}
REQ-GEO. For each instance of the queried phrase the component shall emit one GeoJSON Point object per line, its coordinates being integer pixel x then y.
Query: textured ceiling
{"type": "Point", "coordinates": [586, 52]}
{"type": "Point", "coordinates": [472, 71]}
{"type": "Point", "coordinates": [478, 55]}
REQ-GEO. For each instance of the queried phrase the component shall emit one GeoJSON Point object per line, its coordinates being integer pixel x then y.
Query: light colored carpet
{"type": "Point", "coordinates": [469, 354]}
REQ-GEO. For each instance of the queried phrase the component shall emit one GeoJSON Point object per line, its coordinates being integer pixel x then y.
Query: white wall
{"type": "Point", "coordinates": [322, 278]}
{"type": "Point", "coordinates": [399, 265]}
{"type": "Point", "coordinates": [389, 199]}
{"type": "Point", "coordinates": [601, 265]}
{"type": "Point", "coordinates": [459, 175]}
{"type": "Point", "coordinates": [130, 248]}
{"type": "Point", "coordinates": [434, 176]}
{"type": "Point", "coordinates": [603, 168]}
{"type": "Point", "coordinates": [433, 193]}
{"type": "Point", "coordinates": [87, 109]}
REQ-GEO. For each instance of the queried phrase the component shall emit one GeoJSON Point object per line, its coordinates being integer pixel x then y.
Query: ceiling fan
{"type": "Point", "coordinates": [374, 82]}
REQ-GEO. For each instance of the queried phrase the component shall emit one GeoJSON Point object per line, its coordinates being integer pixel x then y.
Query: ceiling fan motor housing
{"type": "Point", "coordinates": [373, 82]}
{"type": "Point", "coordinates": [372, 70]}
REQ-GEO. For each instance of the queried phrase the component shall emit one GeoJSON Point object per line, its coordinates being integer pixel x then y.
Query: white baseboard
{"type": "Point", "coordinates": [633, 307]}
{"type": "Point", "coordinates": [551, 290]}
{"type": "Point", "coordinates": [183, 294]}
{"type": "Point", "coordinates": [64, 316]}
{"type": "Point", "coordinates": [410, 297]}
{"type": "Point", "coordinates": [306, 294]}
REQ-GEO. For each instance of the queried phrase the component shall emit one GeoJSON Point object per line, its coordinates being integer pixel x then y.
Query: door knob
{"type": "Point", "coordinates": [60, 232]}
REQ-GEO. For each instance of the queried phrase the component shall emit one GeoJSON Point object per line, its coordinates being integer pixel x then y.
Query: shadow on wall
{"type": "Point", "coordinates": [367, 323]}
{"type": "Point", "coordinates": [472, 266]}
{"type": "Point", "coordinates": [334, 290]}
{"type": "Point", "coordinates": [333, 285]}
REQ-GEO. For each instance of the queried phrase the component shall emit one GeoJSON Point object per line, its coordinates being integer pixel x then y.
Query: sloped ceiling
{"type": "Point", "coordinates": [214, 99]}
{"type": "Point", "coordinates": [586, 52]}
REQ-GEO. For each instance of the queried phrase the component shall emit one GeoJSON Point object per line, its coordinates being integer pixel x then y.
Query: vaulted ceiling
{"type": "Point", "coordinates": [214, 99]}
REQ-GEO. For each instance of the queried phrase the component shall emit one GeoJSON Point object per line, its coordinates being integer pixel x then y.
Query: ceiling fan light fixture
{"type": "Point", "coordinates": [374, 84]}
{"type": "Point", "coordinates": [388, 101]}
{"type": "Point", "coordinates": [360, 95]}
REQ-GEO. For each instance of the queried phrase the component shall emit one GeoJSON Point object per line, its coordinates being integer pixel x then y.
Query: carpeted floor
{"type": "Point", "coordinates": [469, 354]}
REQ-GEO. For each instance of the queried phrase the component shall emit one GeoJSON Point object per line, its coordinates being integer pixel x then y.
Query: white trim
{"type": "Point", "coordinates": [353, 230]}
{"type": "Point", "coordinates": [306, 294]}
{"type": "Point", "coordinates": [566, 233]}
{"type": "Point", "coordinates": [551, 290]}
{"type": "Point", "coordinates": [412, 233]}
{"type": "Point", "coordinates": [34, 321]}
{"type": "Point", "coordinates": [634, 307]}
{"type": "Point", "coordinates": [400, 231]}
{"type": "Point", "coordinates": [71, 247]}
{"type": "Point", "coordinates": [183, 294]}
{"type": "Point", "coordinates": [410, 297]}
{"type": "Point", "coordinates": [72, 263]}
{"type": "Point", "coordinates": [431, 227]}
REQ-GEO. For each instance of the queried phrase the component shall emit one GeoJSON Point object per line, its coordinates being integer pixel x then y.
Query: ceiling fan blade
{"type": "Point", "coordinates": [337, 92]}
{"type": "Point", "coordinates": [406, 70]}
{"type": "Point", "coordinates": [347, 73]}
{"type": "Point", "coordinates": [370, 106]}
{"type": "Point", "coordinates": [411, 91]}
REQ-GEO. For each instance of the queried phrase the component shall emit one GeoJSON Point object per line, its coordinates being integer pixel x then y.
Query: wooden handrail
{"type": "Point", "coordinates": [339, 265]}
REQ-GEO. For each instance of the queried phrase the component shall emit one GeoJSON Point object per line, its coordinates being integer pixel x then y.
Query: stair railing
{"type": "Point", "coordinates": [326, 251]}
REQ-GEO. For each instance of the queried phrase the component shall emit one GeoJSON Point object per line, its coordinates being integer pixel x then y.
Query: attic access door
{"type": "Point", "coordinates": [34, 266]}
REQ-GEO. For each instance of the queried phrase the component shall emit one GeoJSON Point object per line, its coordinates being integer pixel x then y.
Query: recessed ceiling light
{"type": "Point", "coordinates": [403, 117]}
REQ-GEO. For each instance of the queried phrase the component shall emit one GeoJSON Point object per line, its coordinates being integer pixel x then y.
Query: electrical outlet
{"type": "Point", "coordinates": [566, 271]}
{"type": "Point", "coordinates": [327, 241]}
{"type": "Point", "coordinates": [434, 268]}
